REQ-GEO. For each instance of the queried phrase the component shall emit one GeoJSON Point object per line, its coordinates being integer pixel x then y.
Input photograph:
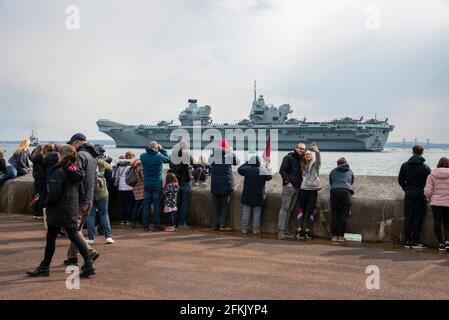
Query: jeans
{"type": "Point", "coordinates": [11, 173]}
{"type": "Point", "coordinates": [40, 187]}
{"type": "Point", "coordinates": [288, 200]}
{"type": "Point", "coordinates": [441, 214]}
{"type": "Point", "coordinates": [152, 196]}
{"type": "Point", "coordinates": [172, 218]}
{"type": "Point", "coordinates": [246, 212]}
{"type": "Point", "coordinates": [414, 211]}
{"type": "Point", "coordinates": [307, 200]}
{"type": "Point", "coordinates": [75, 238]}
{"type": "Point", "coordinates": [341, 205]}
{"type": "Point", "coordinates": [102, 206]}
{"type": "Point", "coordinates": [184, 193]}
{"type": "Point", "coordinates": [137, 210]}
{"type": "Point", "coordinates": [126, 205]}
{"type": "Point", "coordinates": [220, 210]}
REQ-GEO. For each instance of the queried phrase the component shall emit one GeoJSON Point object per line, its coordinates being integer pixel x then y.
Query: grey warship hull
{"type": "Point", "coordinates": [329, 136]}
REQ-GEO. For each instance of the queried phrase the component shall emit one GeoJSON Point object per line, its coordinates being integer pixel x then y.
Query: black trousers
{"type": "Point", "coordinates": [441, 214]}
{"type": "Point", "coordinates": [341, 205]}
{"type": "Point", "coordinates": [75, 238]}
{"type": "Point", "coordinates": [307, 201]}
{"type": "Point", "coordinates": [40, 187]}
{"type": "Point", "coordinates": [220, 210]}
{"type": "Point", "coordinates": [414, 211]}
{"type": "Point", "coordinates": [127, 205]}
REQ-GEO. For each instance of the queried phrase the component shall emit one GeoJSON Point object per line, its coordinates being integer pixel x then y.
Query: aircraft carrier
{"type": "Point", "coordinates": [346, 134]}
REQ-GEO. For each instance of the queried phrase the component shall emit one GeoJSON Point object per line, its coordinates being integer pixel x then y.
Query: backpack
{"type": "Point", "coordinates": [131, 178]}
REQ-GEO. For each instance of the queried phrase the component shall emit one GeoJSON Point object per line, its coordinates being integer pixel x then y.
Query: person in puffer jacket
{"type": "Point", "coordinates": [64, 190]}
{"type": "Point", "coordinates": [437, 192]}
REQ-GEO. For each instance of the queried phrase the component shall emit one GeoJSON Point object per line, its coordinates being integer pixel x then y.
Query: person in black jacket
{"type": "Point", "coordinates": [253, 196]}
{"type": "Point", "coordinates": [181, 163]}
{"type": "Point", "coordinates": [40, 176]}
{"type": "Point", "coordinates": [222, 184]}
{"type": "Point", "coordinates": [291, 173]}
{"type": "Point", "coordinates": [87, 157]}
{"type": "Point", "coordinates": [63, 211]}
{"type": "Point", "coordinates": [412, 179]}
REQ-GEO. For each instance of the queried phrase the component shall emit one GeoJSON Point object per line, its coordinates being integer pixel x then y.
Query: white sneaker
{"type": "Point", "coordinates": [90, 241]}
{"type": "Point", "coordinates": [109, 241]}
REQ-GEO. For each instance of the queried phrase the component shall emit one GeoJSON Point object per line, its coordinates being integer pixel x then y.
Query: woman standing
{"type": "Point", "coordinates": [309, 191]}
{"type": "Point", "coordinates": [138, 191]}
{"type": "Point", "coordinates": [63, 211]}
{"type": "Point", "coordinates": [100, 203]}
{"type": "Point", "coordinates": [18, 164]}
{"type": "Point", "coordinates": [437, 192]}
{"type": "Point", "coordinates": [125, 191]}
{"type": "Point", "coordinates": [40, 176]}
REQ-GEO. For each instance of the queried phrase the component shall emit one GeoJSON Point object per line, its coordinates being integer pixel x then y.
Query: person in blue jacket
{"type": "Point", "coordinates": [152, 161]}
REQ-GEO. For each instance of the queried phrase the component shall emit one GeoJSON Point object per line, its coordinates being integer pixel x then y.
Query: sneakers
{"type": "Point", "coordinates": [308, 235]}
{"type": "Point", "coordinates": [122, 223]}
{"type": "Point", "coordinates": [256, 232]}
{"type": "Point", "coordinates": [170, 229]}
{"type": "Point", "coordinates": [418, 245]}
{"type": "Point", "coordinates": [334, 239]}
{"type": "Point", "coordinates": [299, 235]}
{"type": "Point", "coordinates": [408, 245]}
{"type": "Point", "coordinates": [244, 231]}
{"type": "Point", "coordinates": [442, 247]}
{"type": "Point", "coordinates": [341, 239]}
{"type": "Point", "coordinates": [184, 226]}
{"type": "Point", "coordinates": [215, 228]}
{"type": "Point", "coordinates": [109, 240]}
{"type": "Point", "coordinates": [40, 271]}
{"type": "Point", "coordinates": [90, 242]}
{"type": "Point", "coordinates": [226, 229]}
{"type": "Point", "coordinates": [71, 262]}
{"type": "Point", "coordinates": [146, 229]}
{"type": "Point", "coordinates": [157, 229]}
{"type": "Point", "coordinates": [447, 246]}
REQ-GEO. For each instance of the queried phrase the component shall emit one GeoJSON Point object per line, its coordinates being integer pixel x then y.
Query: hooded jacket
{"type": "Point", "coordinates": [221, 162]}
{"type": "Point", "coordinates": [290, 169]}
{"type": "Point", "coordinates": [88, 155]}
{"type": "Point", "coordinates": [413, 176]}
{"type": "Point", "coordinates": [63, 186]}
{"type": "Point", "coordinates": [254, 183]}
{"type": "Point", "coordinates": [437, 187]}
{"type": "Point", "coordinates": [152, 167]}
{"type": "Point", "coordinates": [342, 177]}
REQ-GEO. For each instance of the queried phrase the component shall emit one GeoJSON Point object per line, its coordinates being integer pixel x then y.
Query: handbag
{"type": "Point", "coordinates": [131, 178]}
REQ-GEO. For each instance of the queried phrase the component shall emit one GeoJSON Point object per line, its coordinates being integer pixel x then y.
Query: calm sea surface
{"type": "Point", "coordinates": [385, 163]}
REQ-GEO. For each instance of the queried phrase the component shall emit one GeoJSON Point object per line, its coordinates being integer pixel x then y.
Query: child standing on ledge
{"type": "Point", "coordinates": [170, 193]}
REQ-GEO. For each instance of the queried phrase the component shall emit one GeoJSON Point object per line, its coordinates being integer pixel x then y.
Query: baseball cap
{"type": "Point", "coordinates": [77, 137]}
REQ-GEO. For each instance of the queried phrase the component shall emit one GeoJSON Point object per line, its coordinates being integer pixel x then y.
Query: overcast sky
{"type": "Point", "coordinates": [139, 61]}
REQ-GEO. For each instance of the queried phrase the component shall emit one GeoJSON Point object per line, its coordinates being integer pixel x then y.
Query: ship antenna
{"type": "Point", "coordinates": [255, 96]}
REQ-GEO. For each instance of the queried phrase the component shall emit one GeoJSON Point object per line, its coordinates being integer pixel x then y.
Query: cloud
{"type": "Point", "coordinates": [139, 61]}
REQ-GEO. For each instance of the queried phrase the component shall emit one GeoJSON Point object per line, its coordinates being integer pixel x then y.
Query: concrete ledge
{"type": "Point", "coordinates": [377, 208]}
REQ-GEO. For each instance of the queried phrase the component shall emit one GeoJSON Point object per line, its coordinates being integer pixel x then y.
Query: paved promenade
{"type": "Point", "coordinates": [200, 264]}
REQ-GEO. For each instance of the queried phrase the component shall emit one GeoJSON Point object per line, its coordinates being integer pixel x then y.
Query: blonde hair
{"type": "Point", "coordinates": [203, 158]}
{"type": "Point", "coordinates": [2, 153]}
{"type": "Point", "coordinates": [24, 144]}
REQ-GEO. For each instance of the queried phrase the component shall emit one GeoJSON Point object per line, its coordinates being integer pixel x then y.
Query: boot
{"type": "Point", "coordinates": [87, 270]}
{"type": "Point", "coordinates": [40, 271]}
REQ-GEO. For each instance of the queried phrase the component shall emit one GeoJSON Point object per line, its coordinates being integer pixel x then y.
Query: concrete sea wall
{"type": "Point", "coordinates": [377, 208]}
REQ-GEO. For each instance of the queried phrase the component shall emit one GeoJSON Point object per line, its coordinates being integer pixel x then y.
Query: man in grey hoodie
{"type": "Point", "coordinates": [341, 180]}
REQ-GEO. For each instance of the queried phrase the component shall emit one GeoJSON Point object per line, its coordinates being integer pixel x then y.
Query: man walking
{"type": "Point", "coordinates": [87, 155]}
{"type": "Point", "coordinates": [412, 179]}
{"type": "Point", "coordinates": [291, 173]}
{"type": "Point", "coordinates": [152, 161]}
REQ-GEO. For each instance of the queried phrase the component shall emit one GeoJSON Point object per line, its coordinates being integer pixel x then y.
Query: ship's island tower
{"type": "Point", "coordinates": [262, 113]}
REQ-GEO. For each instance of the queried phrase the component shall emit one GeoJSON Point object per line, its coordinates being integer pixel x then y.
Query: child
{"type": "Point", "coordinates": [201, 171]}
{"type": "Point", "coordinates": [253, 196]}
{"type": "Point", "coordinates": [170, 192]}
